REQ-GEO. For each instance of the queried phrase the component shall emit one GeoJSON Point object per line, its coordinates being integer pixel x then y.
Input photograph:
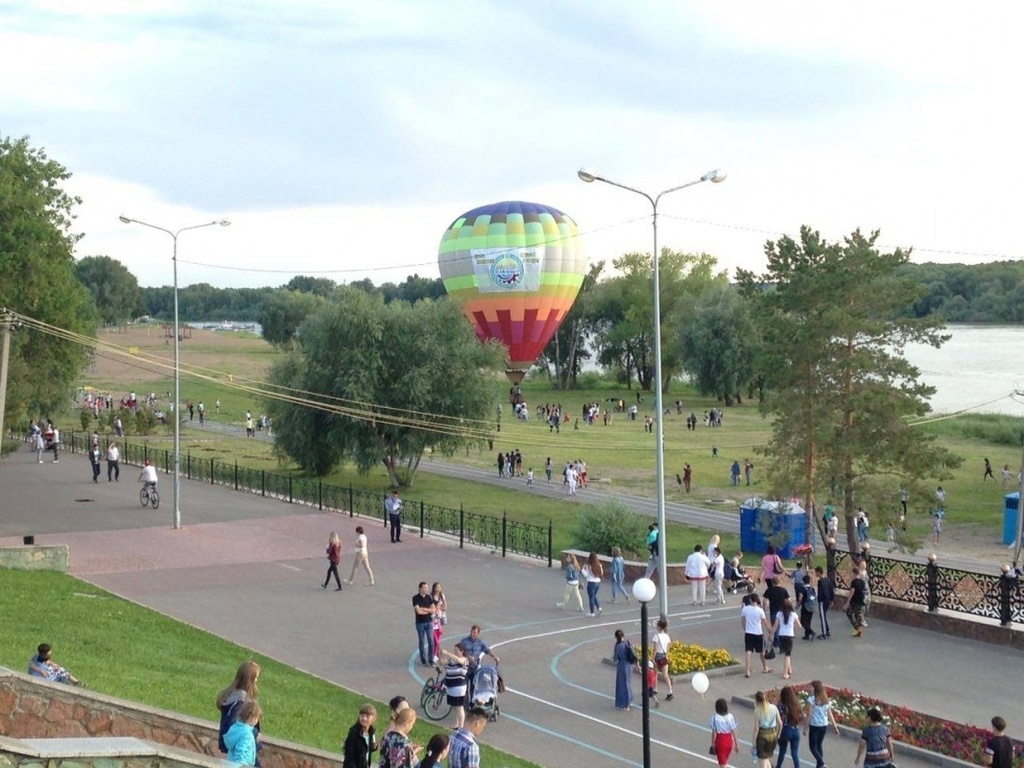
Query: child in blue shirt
{"type": "Point", "coordinates": [241, 736]}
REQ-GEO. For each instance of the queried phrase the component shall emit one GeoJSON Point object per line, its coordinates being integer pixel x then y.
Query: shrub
{"type": "Point", "coordinates": [145, 421]}
{"type": "Point", "coordinates": [610, 524]}
{"type": "Point", "coordinates": [85, 417]}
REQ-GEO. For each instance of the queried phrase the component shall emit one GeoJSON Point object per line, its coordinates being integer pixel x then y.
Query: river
{"type": "Point", "coordinates": [976, 369]}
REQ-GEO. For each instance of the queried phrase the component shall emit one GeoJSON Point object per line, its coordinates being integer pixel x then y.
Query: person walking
{"type": "Point", "coordinates": [687, 477]}
{"type": "Point", "coordinates": [55, 444]}
{"type": "Point", "coordinates": [94, 460]}
{"type": "Point", "coordinates": [875, 743]}
{"type": "Point", "coordinates": [625, 663]}
{"type": "Point", "coordinates": [456, 667]}
{"type": "Point", "coordinates": [333, 558]}
{"type": "Point", "coordinates": [592, 572]}
{"type": "Point", "coordinates": [807, 600]}
{"type": "Point", "coordinates": [723, 726]}
{"type": "Point", "coordinates": [549, 467]}
{"type": "Point", "coordinates": [826, 596]}
{"type": "Point", "coordinates": [661, 644]}
{"type": "Point", "coordinates": [999, 748]}
{"type": "Point", "coordinates": [113, 462]}
{"type": "Point", "coordinates": [652, 548]}
{"type": "Point", "coordinates": [463, 751]}
{"type": "Point", "coordinates": [717, 574]}
{"type": "Point", "coordinates": [816, 725]}
{"type": "Point", "coordinates": [440, 615]}
{"type": "Point", "coordinates": [785, 626]}
{"type": "Point", "coordinates": [362, 557]}
{"type": "Point", "coordinates": [767, 726]}
{"type": "Point", "coordinates": [791, 714]}
{"type": "Point", "coordinates": [988, 471]}
{"type": "Point", "coordinates": [754, 624]}
{"type": "Point", "coordinates": [618, 574]}
{"type": "Point", "coordinates": [38, 445]}
{"type": "Point", "coordinates": [856, 602]}
{"type": "Point", "coordinates": [572, 585]}
{"type": "Point", "coordinates": [393, 505]}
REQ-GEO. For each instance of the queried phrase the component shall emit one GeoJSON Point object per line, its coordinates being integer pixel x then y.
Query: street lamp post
{"type": "Point", "coordinates": [716, 176]}
{"type": "Point", "coordinates": [177, 356]}
{"type": "Point", "coordinates": [644, 591]}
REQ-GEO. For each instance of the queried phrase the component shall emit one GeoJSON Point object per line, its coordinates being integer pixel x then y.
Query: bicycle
{"type": "Point", "coordinates": [149, 496]}
{"type": "Point", "coordinates": [434, 699]}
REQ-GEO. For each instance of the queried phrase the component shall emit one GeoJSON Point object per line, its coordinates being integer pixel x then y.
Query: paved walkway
{"type": "Point", "coordinates": [249, 569]}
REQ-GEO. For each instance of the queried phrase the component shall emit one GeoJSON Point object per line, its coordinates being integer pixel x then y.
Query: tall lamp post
{"type": "Point", "coordinates": [644, 591]}
{"type": "Point", "coordinates": [716, 176]}
{"type": "Point", "coordinates": [177, 356]}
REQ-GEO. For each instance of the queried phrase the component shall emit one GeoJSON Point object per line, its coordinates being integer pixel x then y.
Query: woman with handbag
{"type": "Point", "coordinates": [723, 726]}
{"type": "Point", "coordinates": [625, 662]}
{"type": "Point", "coordinates": [767, 726]}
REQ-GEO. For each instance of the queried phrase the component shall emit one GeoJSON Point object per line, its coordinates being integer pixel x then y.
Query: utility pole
{"type": "Point", "coordinates": [7, 321]}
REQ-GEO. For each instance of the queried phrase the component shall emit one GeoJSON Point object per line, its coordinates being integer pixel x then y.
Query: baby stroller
{"type": "Point", "coordinates": [736, 577]}
{"type": "Point", "coordinates": [486, 685]}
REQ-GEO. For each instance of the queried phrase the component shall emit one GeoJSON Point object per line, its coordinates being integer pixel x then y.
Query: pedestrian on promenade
{"type": "Point", "coordinates": [94, 460]}
{"type": "Point", "coordinates": [423, 610]}
{"type": "Point", "coordinates": [754, 624]}
{"type": "Point", "coordinates": [817, 723]}
{"type": "Point", "coordinates": [826, 596]}
{"type": "Point", "coordinates": [697, 565]}
{"type": "Point", "coordinates": [716, 573]}
{"type": "Point", "coordinates": [572, 585]}
{"type": "Point", "coordinates": [440, 614]}
{"type": "Point", "coordinates": [791, 714]}
{"type": "Point", "coordinates": [113, 462]}
{"type": "Point", "coordinates": [807, 599]}
{"type": "Point", "coordinates": [362, 557]}
{"type": "Point", "coordinates": [856, 602]}
{"type": "Point", "coordinates": [661, 644]}
{"type": "Point", "coordinates": [785, 626]}
{"type": "Point", "coordinates": [652, 548]}
{"type": "Point", "coordinates": [393, 505]}
{"type": "Point", "coordinates": [767, 726]}
{"type": "Point", "coordinates": [361, 741]}
{"type": "Point", "coordinates": [396, 750]}
{"type": "Point", "coordinates": [333, 558]}
{"type": "Point", "coordinates": [625, 662]}
{"type": "Point", "coordinates": [999, 748]}
{"type": "Point", "coordinates": [875, 743]}
{"type": "Point", "coordinates": [456, 668]}
{"type": "Point", "coordinates": [723, 726]}
{"type": "Point", "coordinates": [437, 751]}
{"type": "Point", "coordinates": [241, 738]}
{"type": "Point", "coordinates": [592, 572]}
{"type": "Point", "coordinates": [618, 574]}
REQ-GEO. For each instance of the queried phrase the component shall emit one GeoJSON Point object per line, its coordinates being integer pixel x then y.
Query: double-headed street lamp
{"type": "Point", "coordinates": [659, 439]}
{"type": "Point", "coordinates": [177, 358]}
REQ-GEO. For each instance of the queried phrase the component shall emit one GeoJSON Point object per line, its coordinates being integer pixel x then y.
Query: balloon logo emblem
{"type": "Point", "coordinates": [507, 270]}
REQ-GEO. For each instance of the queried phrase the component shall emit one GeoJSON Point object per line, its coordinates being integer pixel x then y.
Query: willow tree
{"type": "Point", "coordinates": [835, 320]}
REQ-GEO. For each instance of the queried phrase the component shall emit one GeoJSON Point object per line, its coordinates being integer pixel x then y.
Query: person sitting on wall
{"type": "Point", "coordinates": [41, 665]}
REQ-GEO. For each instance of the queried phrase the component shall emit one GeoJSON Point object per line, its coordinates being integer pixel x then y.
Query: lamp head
{"type": "Point", "coordinates": [125, 219]}
{"type": "Point", "coordinates": [717, 176]}
{"type": "Point", "coordinates": [644, 590]}
{"type": "Point", "coordinates": [224, 223]}
{"type": "Point", "coordinates": [587, 175]}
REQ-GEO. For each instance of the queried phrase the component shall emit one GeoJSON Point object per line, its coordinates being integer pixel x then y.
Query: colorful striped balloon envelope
{"type": "Point", "coordinates": [516, 269]}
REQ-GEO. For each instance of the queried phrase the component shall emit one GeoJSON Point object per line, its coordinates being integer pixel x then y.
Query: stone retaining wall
{"type": "Point", "coordinates": [32, 558]}
{"type": "Point", "coordinates": [109, 752]}
{"type": "Point", "coordinates": [31, 708]}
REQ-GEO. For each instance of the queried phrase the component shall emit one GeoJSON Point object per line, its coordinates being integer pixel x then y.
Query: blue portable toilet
{"type": "Point", "coordinates": [1010, 521]}
{"type": "Point", "coordinates": [761, 519]}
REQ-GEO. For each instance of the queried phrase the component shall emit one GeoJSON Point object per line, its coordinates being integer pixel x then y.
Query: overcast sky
{"type": "Point", "coordinates": [342, 138]}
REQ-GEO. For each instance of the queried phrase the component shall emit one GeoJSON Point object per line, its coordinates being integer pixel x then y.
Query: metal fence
{"type": "Point", "coordinates": [959, 591]}
{"type": "Point", "coordinates": [497, 533]}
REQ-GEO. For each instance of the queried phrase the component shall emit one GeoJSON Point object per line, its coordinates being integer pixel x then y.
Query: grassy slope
{"type": "Point", "coordinates": [122, 649]}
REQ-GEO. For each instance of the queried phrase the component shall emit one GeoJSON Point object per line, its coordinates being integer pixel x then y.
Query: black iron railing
{"type": "Point", "coordinates": [969, 592]}
{"type": "Point", "coordinates": [498, 533]}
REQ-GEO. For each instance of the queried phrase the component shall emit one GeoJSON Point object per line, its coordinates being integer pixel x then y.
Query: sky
{"type": "Point", "coordinates": [341, 139]}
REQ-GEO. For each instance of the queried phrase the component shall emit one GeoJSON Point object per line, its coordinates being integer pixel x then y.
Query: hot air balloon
{"type": "Point", "coordinates": [516, 268]}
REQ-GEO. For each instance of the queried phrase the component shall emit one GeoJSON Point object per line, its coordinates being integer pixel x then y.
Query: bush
{"type": "Point", "coordinates": [85, 417]}
{"type": "Point", "coordinates": [684, 658]}
{"type": "Point", "coordinates": [145, 421]}
{"type": "Point", "coordinates": [611, 524]}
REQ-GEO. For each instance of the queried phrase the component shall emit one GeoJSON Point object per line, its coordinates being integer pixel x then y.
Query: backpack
{"type": "Point", "coordinates": [810, 599]}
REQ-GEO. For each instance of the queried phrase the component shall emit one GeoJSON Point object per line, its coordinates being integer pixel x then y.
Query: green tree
{"type": "Point", "coordinates": [37, 279]}
{"type": "Point", "coordinates": [720, 343]}
{"type": "Point", "coordinates": [321, 286]}
{"type": "Point", "coordinates": [835, 322]}
{"type": "Point", "coordinates": [623, 310]}
{"type": "Point", "coordinates": [386, 382]}
{"type": "Point", "coordinates": [284, 311]}
{"type": "Point", "coordinates": [114, 289]}
{"type": "Point", "coordinates": [567, 349]}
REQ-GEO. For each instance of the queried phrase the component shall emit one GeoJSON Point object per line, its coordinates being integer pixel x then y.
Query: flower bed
{"type": "Point", "coordinates": [684, 658]}
{"type": "Point", "coordinates": [964, 742]}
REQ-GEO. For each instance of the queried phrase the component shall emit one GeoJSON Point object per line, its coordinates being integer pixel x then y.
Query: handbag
{"type": "Point", "coordinates": [770, 654]}
{"type": "Point", "coordinates": [712, 750]}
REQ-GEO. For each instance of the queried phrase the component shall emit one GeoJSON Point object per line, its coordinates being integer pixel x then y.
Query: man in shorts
{"type": "Point", "coordinates": [755, 624]}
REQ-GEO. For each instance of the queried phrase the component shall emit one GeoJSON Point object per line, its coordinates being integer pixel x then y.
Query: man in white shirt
{"type": "Point", "coordinates": [719, 575]}
{"type": "Point", "coordinates": [754, 623]}
{"type": "Point", "coordinates": [149, 477]}
{"type": "Point", "coordinates": [113, 462]}
{"type": "Point", "coordinates": [393, 506]}
{"type": "Point", "coordinates": [697, 574]}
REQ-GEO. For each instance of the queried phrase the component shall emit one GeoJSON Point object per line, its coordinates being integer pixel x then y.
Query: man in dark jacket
{"type": "Point", "coordinates": [775, 596]}
{"type": "Point", "coordinates": [826, 596]}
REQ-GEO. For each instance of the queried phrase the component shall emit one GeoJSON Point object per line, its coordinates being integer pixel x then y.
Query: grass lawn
{"type": "Point", "coordinates": [121, 649]}
{"type": "Point", "coordinates": [620, 454]}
